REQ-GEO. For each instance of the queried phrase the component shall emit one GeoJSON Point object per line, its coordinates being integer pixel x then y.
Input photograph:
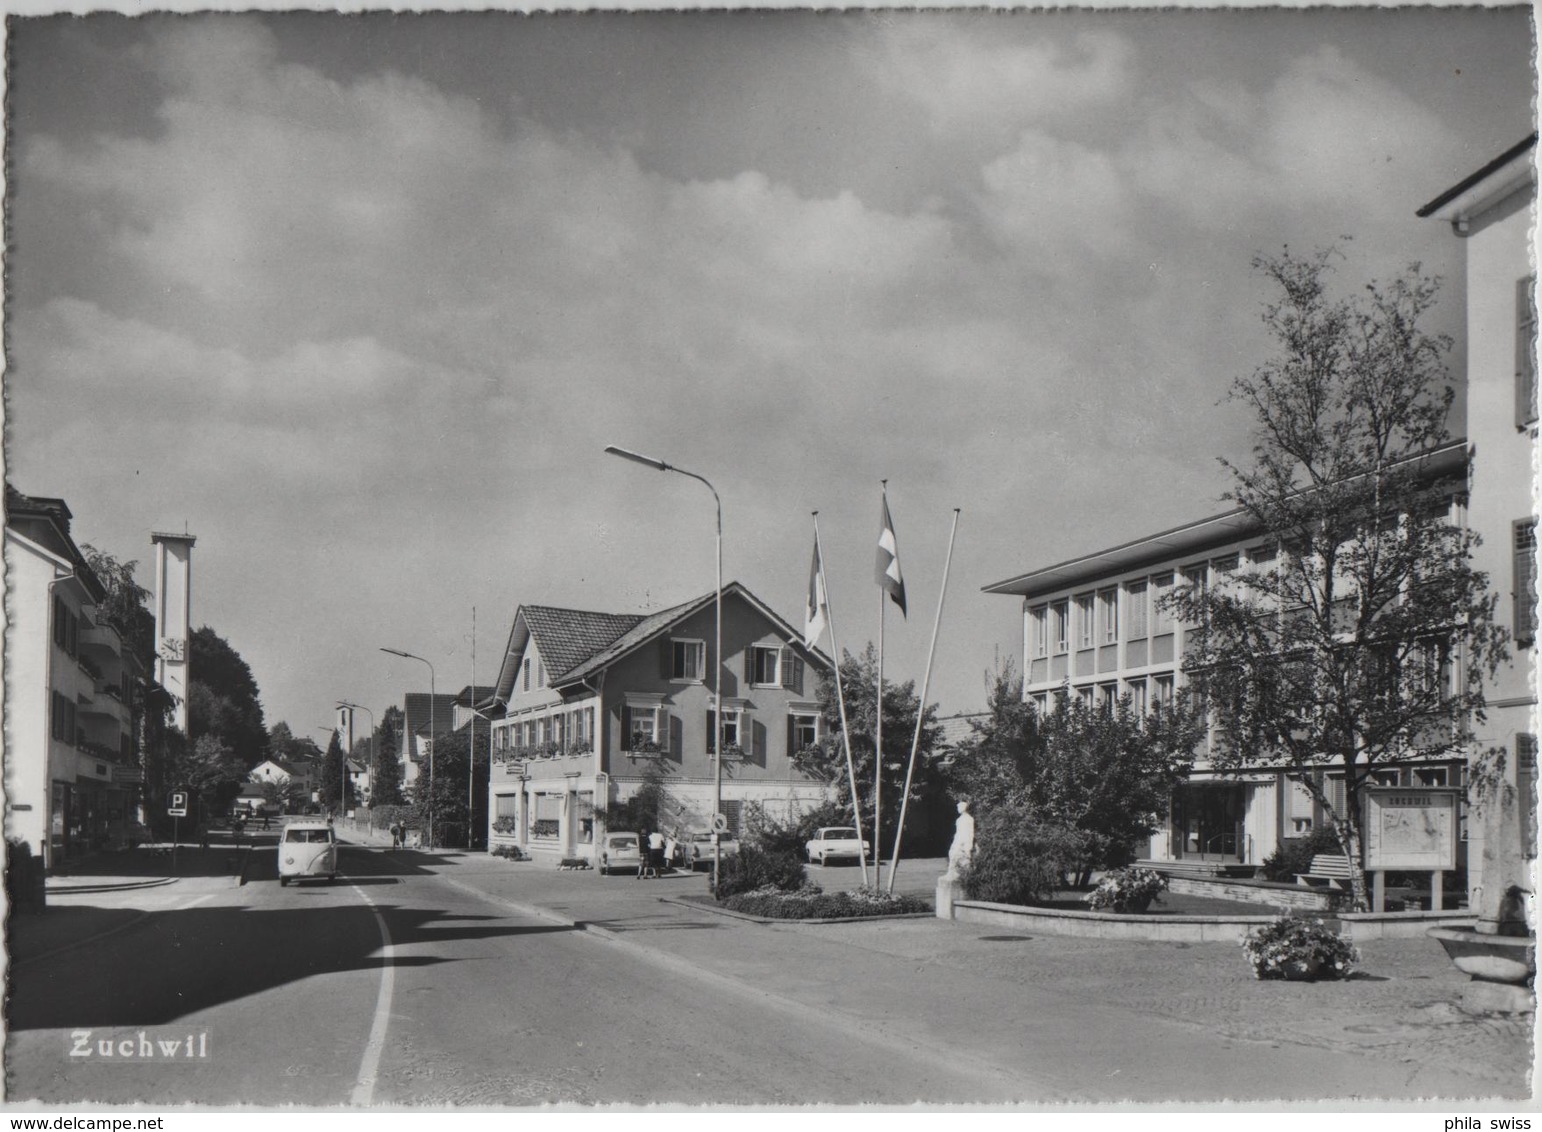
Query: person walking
{"type": "Point", "coordinates": [644, 855]}
{"type": "Point", "coordinates": [656, 853]}
{"type": "Point", "coordinates": [396, 835]}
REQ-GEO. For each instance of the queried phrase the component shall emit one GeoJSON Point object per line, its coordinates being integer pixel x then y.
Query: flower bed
{"type": "Point", "coordinates": [812, 903]}
{"type": "Point", "coordinates": [512, 852]}
{"type": "Point", "coordinates": [1127, 890]}
{"type": "Point", "coordinates": [1297, 949]}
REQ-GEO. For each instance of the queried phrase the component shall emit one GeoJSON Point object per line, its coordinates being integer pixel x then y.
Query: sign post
{"type": "Point", "coordinates": [1410, 829]}
{"type": "Point", "coordinates": [177, 808]}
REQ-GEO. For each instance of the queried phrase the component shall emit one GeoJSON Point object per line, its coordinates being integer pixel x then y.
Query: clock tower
{"type": "Point", "coordinates": [173, 611]}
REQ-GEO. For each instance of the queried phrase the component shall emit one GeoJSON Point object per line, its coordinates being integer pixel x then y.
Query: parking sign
{"type": "Point", "coordinates": [178, 807]}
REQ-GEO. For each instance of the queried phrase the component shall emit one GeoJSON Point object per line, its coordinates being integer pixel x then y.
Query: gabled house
{"type": "Point", "coordinates": [425, 717]}
{"type": "Point", "coordinates": [590, 706]}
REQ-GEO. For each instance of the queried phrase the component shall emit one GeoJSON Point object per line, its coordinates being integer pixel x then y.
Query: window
{"type": "Point", "coordinates": [1085, 695]}
{"type": "Point", "coordinates": [1108, 615]}
{"type": "Point", "coordinates": [688, 660]}
{"type": "Point", "coordinates": [731, 730]}
{"type": "Point", "coordinates": [547, 822]}
{"type": "Point", "coordinates": [1041, 703]}
{"type": "Point", "coordinates": [1432, 776]}
{"type": "Point", "coordinates": [62, 724]}
{"type": "Point", "coordinates": [804, 729]}
{"type": "Point", "coordinates": [1525, 353]}
{"type": "Point", "coordinates": [505, 805]}
{"type": "Point", "coordinates": [1390, 777]}
{"type": "Point", "coordinates": [1062, 616]}
{"type": "Point", "coordinates": [765, 665]}
{"type": "Point", "coordinates": [1162, 691]}
{"type": "Point", "coordinates": [1135, 610]}
{"type": "Point", "coordinates": [1084, 626]}
{"type": "Point", "coordinates": [1526, 787]}
{"type": "Point", "coordinates": [642, 724]}
{"type": "Point", "coordinates": [1524, 594]}
{"type": "Point", "coordinates": [1138, 696]}
{"type": "Point", "coordinates": [1108, 696]}
{"type": "Point", "coordinates": [1040, 619]}
{"type": "Point", "coordinates": [1161, 617]}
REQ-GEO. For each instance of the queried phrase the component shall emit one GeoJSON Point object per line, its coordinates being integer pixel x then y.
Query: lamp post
{"type": "Point", "coordinates": [717, 657]}
{"type": "Point", "coordinates": [431, 733]}
{"type": "Point", "coordinates": [374, 757]}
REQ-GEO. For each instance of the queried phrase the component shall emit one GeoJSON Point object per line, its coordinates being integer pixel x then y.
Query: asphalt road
{"type": "Point", "coordinates": [392, 986]}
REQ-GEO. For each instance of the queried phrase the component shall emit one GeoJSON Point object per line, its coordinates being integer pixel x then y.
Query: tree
{"type": "Point", "coordinates": [827, 759]}
{"type": "Point", "coordinates": [443, 807]}
{"type": "Point", "coordinates": [127, 604]}
{"type": "Point", "coordinates": [208, 769]}
{"type": "Point", "coordinates": [335, 788]}
{"type": "Point", "coordinates": [385, 787]}
{"type": "Point", "coordinates": [1336, 655]}
{"type": "Point", "coordinates": [1100, 776]}
{"type": "Point", "coordinates": [222, 698]}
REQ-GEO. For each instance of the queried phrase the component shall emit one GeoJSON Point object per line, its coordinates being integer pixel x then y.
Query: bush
{"type": "Point", "coordinates": [511, 852]}
{"type": "Point", "coordinates": [1128, 890]}
{"type": "Point", "coordinates": [1293, 948]}
{"type": "Point", "coordinates": [811, 903]}
{"type": "Point", "coordinates": [756, 868]}
{"type": "Point", "coordinates": [774, 835]}
{"type": "Point", "coordinates": [1295, 854]}
{"type": "Point", "coordinates": [1018, 862]}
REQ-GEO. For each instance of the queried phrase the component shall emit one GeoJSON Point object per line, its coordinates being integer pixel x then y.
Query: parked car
{"type": "Point", "coordinates": [620, 851]}
{"type": "Point", "coordinates": [835, 841]}
{"type": "Point", "coordinates": [698, 848]}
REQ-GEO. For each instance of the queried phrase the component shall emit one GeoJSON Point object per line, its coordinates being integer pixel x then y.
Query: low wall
{"type": "Point", "coordinates": [1359, 926]}
{"type": "Point", "coordinates": [1296, 897]}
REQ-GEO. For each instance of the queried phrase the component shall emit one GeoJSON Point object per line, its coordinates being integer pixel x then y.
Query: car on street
{"type": "Point", "coordinates": [832, 842]}
{"type": "Point", "coordinates": [307, 848]}
{"type": "Point", "coordinates": [620, 851]}
{"type": "Point", "coordinates": [699, 848]}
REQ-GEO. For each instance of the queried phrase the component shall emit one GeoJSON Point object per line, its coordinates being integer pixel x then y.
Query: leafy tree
{"type": "Point", "coordinates": [1336, 655]}
{"type": "Point", "coordinates": [207, 768]}
{"type": "Point", "coordinates": [1102, 776]}
{"type": "Point", "coordinates": [385, 788]}
{"type": "Point", "coordinates": [827, 760]}
{"type": "Point", "coordinates": [289, 796]}
{"type": "Point", "coordinates": [222, 698]}
{"type": "Point", "coordinates": [127, 604]}
{"type": "Point", "coordinates": [444, 805]}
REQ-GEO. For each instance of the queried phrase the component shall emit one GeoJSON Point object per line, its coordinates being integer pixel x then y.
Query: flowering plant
{"type": "Point", "coordinates": [1293, 948]}
{"type": "Point", "coordinates": [1129, 889]}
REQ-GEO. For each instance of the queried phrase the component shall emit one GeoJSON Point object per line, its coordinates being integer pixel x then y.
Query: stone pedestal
{"type": "Point", "coordinates": [1480, 997]}
{"type": "Point", "coordinates": [948, 890]}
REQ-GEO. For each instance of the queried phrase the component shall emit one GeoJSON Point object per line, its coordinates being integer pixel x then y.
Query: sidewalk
{"type": "Point", "coordinates": [933, 975]}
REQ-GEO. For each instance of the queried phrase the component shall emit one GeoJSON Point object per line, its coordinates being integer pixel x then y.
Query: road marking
{"type": "Point", "coordinates": [195, 901]}
{"type": "Point", "coordinates": [364, 1089]}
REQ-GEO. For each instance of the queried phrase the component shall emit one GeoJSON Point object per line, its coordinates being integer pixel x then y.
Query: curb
{"type": "Point", "coordinates": [67, 889]}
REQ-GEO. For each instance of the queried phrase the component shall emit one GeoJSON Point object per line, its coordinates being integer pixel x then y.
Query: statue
{"type": "Point", "coordinates": [961, 852]}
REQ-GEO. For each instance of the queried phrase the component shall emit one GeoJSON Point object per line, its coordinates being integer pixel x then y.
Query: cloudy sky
{"type": "Point", "coordinates": [359, 301]}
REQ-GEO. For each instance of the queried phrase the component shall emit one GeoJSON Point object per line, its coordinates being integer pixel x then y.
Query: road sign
{"type": "Point", "coordinates": [720, 823]}
{"type": "Point", "coordinates": [178, 806]}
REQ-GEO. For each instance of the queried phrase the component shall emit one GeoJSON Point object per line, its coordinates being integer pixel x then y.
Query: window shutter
{"type": "Point", "coordinates": [792, 670]}
{"type": "Point", "coordinates": [755, 741]}
{"type": "Point", "coordinates": [711, 732]}
{"type": "Point", "coordinates": [749, 665]}
{"type": "Point", "coordinates": [1525, 353]}
{"type": "Point", "coordinates": [1524, 595]}
{"type": "Point", "coordinates": [792, 735]}
{"type": "Point", "coordinates": [626, 728]}
{"type": "Point", "coordinates": [666, 659]}
{"type": "Point", "coordinates": [662, 737]}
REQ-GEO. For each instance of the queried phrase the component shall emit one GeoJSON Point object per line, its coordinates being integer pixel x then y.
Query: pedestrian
{"type": "Point", "coordinates": [264, 819]}
{"type": "Point", "coordinates": [672, 850]}
{"type": "Point", "coordinates": [203, 837]}
{"type": "Point", "coordinates": [642, 853]}
{"type": "Point", "coordinates": [396, 835]}
{"type": "Point", "coordinates": [656, 853]}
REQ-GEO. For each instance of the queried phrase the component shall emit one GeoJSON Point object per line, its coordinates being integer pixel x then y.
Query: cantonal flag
{"type": "Point", "coordinates": [887, 567]}
{"type": "Point", "coordinates": [814, 616]}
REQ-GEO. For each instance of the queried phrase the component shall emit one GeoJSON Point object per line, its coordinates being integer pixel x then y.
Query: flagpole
{"type": "Point", "coordinates": [926, 681]}
{"type": "Point", "coordinates": [840, 699]}
{"type": "Point", "coordinates": [883, 595]}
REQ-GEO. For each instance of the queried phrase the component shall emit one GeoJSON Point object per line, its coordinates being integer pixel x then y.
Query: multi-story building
{"type": "Point", "coordinates": [590, 706]}
{"type": "Point", "coordinates": [1492, 212]}
{"type": "Point", "coordinates": [1095, 626]}
{"type": "Point", "coordinates": [71, 768]}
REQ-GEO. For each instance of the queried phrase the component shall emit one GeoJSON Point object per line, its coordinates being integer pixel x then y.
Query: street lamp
{"type": "Point", "coordinates": [717, 658]}
{"type": "Point", "coordinates": [431, 733]}
{"type": "Point", "coordinates": [374, 756]}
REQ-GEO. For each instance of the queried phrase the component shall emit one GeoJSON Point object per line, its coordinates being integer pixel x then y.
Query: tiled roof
{"type": "Point", "coordinates": [640, 630]}
{"type": "Point", "coordinates": [958, 728]}
{"type": "Point", "coordinates": [474, 695]}
{"type": "Point", "coordinates": [567, 637]}
{"type": "Point", "coordinates": [419, 716]}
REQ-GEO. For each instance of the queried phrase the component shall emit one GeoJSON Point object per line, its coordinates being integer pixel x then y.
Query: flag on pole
{"type": "Point", "coordinates": [814, 618]}
{"type": "Point", "coordinates": [887, 569]}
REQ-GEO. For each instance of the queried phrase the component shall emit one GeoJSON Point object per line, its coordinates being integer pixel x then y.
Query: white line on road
{"type": "Point", "coordinates": [364, 1089]}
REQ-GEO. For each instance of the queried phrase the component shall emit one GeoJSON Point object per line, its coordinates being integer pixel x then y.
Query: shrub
{"type": "Point", "coordinates": [1128, 890]}
{"type": "Point", "coordinates": [756, 868]}
{"type": "Point", "coordinates": [1018, 862]}
{"type": "Point", "coordinates": [511, 852]}
{"type": "Point", "coordinates": [1294, 948]}
{"type": "Point", "coordinates": [811, 903]}
{"type": "Point", "coordinates": [775, 835]}
{"type": "Point", "coordinates": [1295, 854]}
{"type": "Point", "coordinates": [503, 825]}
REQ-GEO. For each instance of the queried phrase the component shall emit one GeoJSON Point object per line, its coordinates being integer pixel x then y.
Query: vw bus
{"type": "Point", "coordinates": [307, 848]}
